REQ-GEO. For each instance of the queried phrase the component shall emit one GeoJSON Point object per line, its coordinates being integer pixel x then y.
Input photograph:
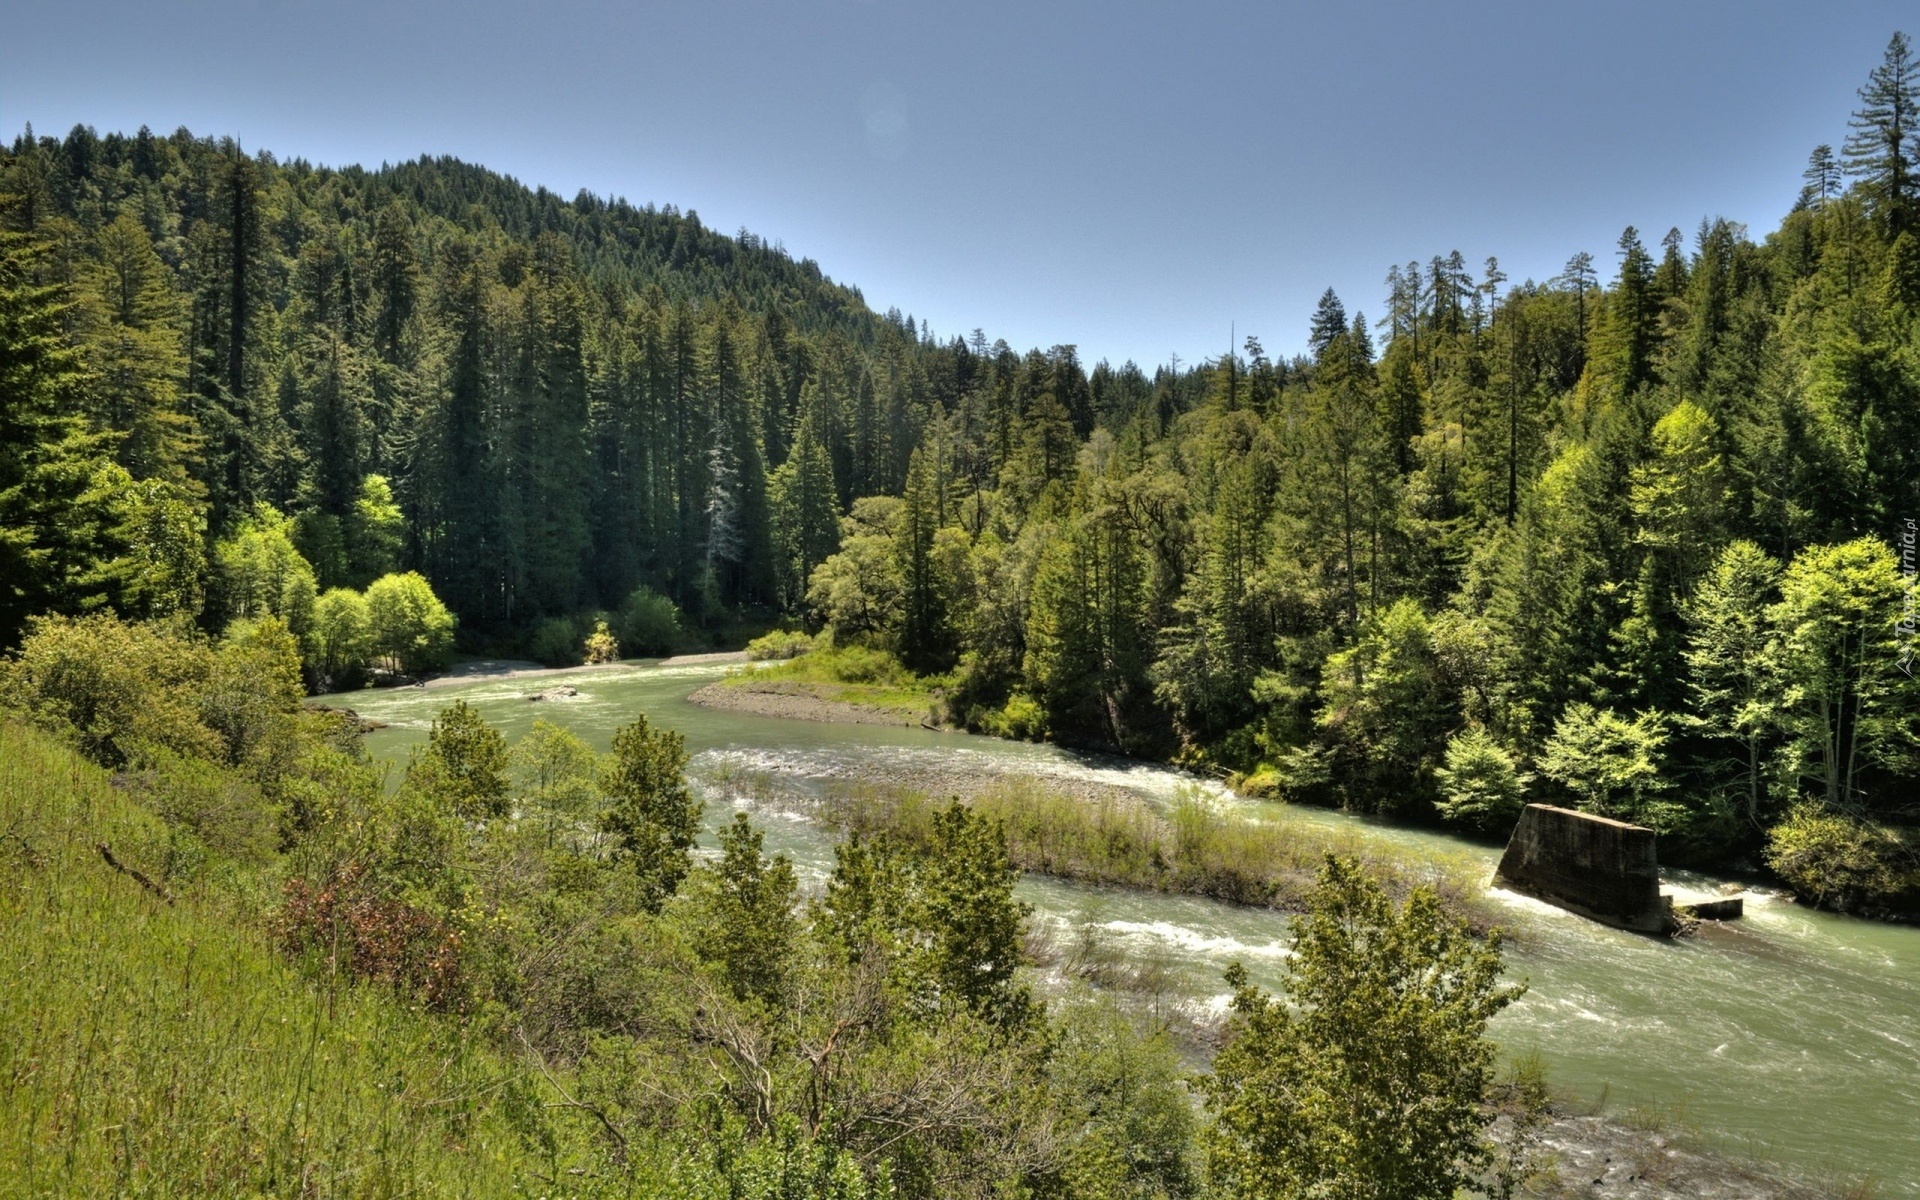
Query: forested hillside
{"type": "Point", "coordinates": [1624, 538]}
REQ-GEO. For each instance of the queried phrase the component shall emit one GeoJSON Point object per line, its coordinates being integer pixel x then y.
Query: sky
{"type": "Point", "coordinates": [1138, 180]}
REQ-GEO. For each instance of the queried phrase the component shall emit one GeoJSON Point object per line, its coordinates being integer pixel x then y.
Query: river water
{"type": "Point", "coordinates": [1791, 1035]}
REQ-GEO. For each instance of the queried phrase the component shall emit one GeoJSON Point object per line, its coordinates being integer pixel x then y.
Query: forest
{"type": "Point", "coordinates": [1638, 537]}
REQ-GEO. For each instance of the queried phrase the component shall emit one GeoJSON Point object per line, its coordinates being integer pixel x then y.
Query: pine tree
{"type": "Point", "coordinates": [651, 813]}
{"type": "Point", "coordinates": [1329, 323]}
{"type": "Point", "coordinates": [395, 283]}
{"type": "Point", "coordinates": [131, 329]}
{"type": "Point", "coordinates": [926, 635]}
{"type": "Point", "coordinates": [1578, 276]}
{"type": "Point", "coordinates": [1822, 178]}
{"type": "Point", "coordinates": [1403, 407]}
{"type": "Point", "coordinates": [1878, 149]}
{"type": "Point", "coordinates": [48, 538]}
{"type": "Point", "coordinates": [805, 515]}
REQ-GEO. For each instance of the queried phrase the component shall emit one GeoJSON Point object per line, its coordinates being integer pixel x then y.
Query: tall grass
{"type": "Point", "coordinates": [859, 675]}
{"type": "Point", "coordinates": [153, 1048]}
{"type": "Point", "coordinates": [1193, 847]}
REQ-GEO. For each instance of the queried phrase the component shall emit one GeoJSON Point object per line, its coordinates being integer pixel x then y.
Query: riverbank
{"type": "Point", "coordinates": [795, 700]}
{"type": "Point", "coordinates": [488, 670]}
{"type": "Point", "coordinates": [1635, 1156]}
{"type": "Point", "coordinates": [850, 686]}
{"type": "Point", "coordinates": [1704, 1029]}
{"type": "Point", "coordinates": [1112, 835]}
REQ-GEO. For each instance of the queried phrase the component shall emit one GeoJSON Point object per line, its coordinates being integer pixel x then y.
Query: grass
{"type": "Point", "coordinates": [1193, 848]}
{"type": "Point", "coordinates": [855, 675]}
{"type": "Point", "coordinates": [158, 1048]}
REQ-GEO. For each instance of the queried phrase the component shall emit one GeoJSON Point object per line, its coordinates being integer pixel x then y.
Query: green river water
{"type": "Point", "coordinates": [1791, 1035]}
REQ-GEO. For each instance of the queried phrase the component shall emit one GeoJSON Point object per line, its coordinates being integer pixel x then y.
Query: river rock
{"type": "Point", "coordinates": [562, 692]}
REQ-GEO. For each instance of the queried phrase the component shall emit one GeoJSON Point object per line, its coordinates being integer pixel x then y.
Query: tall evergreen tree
{"type": "Point", "coordinates": [1879, 150]}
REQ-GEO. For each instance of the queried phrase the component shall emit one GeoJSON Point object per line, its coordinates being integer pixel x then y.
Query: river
{"type": "Point", "coordinates": [1792, 1035]}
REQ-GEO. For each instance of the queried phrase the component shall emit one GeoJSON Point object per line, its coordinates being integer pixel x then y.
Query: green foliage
{"type": "Point", "coordinates": [255, 684]}
{"type": "Point", "coordinates": [1842, 862]}
{"type": "Point", "coordinates": [1731, 653]}
{"type": "Point", "coordinates": [1846, 707]}
{"type": "Point", "coordinates": [939, 908]}
{"type": "Point", "coordinates": [600, 645]}
{"type": "Point", "coordinates": [115, 689]}
{"type": "Point", "coordinates": [463, 766]}
{"type": "Point", "coordinates": [558, 642]}
{"type": "Point", "coordinates": [1020, 718]}
{"type": "Point", "coordinates": [407, 623]}
{"type": "Point", "coordinates": [652, 814]}
{"type": "Point", "coordinates": [648, 624]}
{"type": "Point", "coordinates": [1612, 766]}
{"type": "Point", "coordinates": [341, 638]}
{"type": "Point", "coordinates": [1480, 785]}
{"type": "Point", "coordinates": [781, 644]}
{"type": "Point", "coordinates": [48, 537]}
{"type": "Point", "coordinates": [750, 924]}
{"type": "Point", "coordinates": [557, 777]}
{"type": "Point", "coordinates": [1122, 1087]}
{"type": "Point", "coordinates": [858, 591]}
{"type": "Point", "coordinates": [262, 574]}
{"type": "Point", "coordinates": [1384, 710]}
{"type": "Point", "coordinates": [128, 693]}
{"type": "Point", "coordinates": [375, 531]}
{"type": "Point", "coordinates": [1369, 1074]}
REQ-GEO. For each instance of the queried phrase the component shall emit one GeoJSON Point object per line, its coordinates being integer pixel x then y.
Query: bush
{"type": "Point", "coordinates": [601, 646]}
{"type": "Point", "coordinates": [114, 689]}
{"type": "Point", "coordinates": [864, 664]}
{"type": "Point", "coordinates": [408, 623]}
{"type": "Point", "coordinates": [1840, 862]}
{"type": "Point", "coordinates": [648, 624]}
{"type": "Point", "coordinates": [372, 937]}
{"type": "Point", "coordinates": [781, 643]}
{"type": "Point", "coordinates": [557, 642]}
{"type": "Point", "coordinates": [223, 810]}
{"type": "Point", "coordinates": [254, 688]}
{"type": "Point", "coordinates": [1480, 786]}
{"type": "Point", "coordinates": [1021, 718]}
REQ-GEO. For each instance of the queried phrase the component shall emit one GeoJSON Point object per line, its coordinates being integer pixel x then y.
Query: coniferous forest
{"type": "Point", "coordinates": [1637, 539]}
{"type": "Point", "coordinates": [1629, 535]}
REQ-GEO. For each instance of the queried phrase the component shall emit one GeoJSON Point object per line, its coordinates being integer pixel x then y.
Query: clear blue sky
{"type": "Point", "coordinates": [1130, 178]}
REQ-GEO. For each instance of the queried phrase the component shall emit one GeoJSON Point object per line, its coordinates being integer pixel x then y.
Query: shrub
{"type": "Point", "coordinates": [372, 937]}
{"type": "Point", "coordinates": [222, 809]}
{"type": "Point", "coordinates": [1370, 1074]}
{"type": "Point", "coordinates": [781, 643]}
{"type": "Point", "coordinates": [1021, 718]}
{"type": "Point", "coordinates": [601, 646]}
{"type": "Point", "coordinates": [864, 664]}
{"type": "Point", "coordinates": [254, 687]}
{"type": "Point", "coordinates": [112, 687]}
{"type": "Point", "coordinates": [408, 623]}
{"type": "Point", "coordinates": [557, 642]}
{"type": "Point", "coordinates": [464, 764]}
{"type": "Point", "coordinates": [1840, 862]}
{"type": "Point", "coordinates": [1480, 787]}
{"type": "Point", "coordinates": [648, 624]}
